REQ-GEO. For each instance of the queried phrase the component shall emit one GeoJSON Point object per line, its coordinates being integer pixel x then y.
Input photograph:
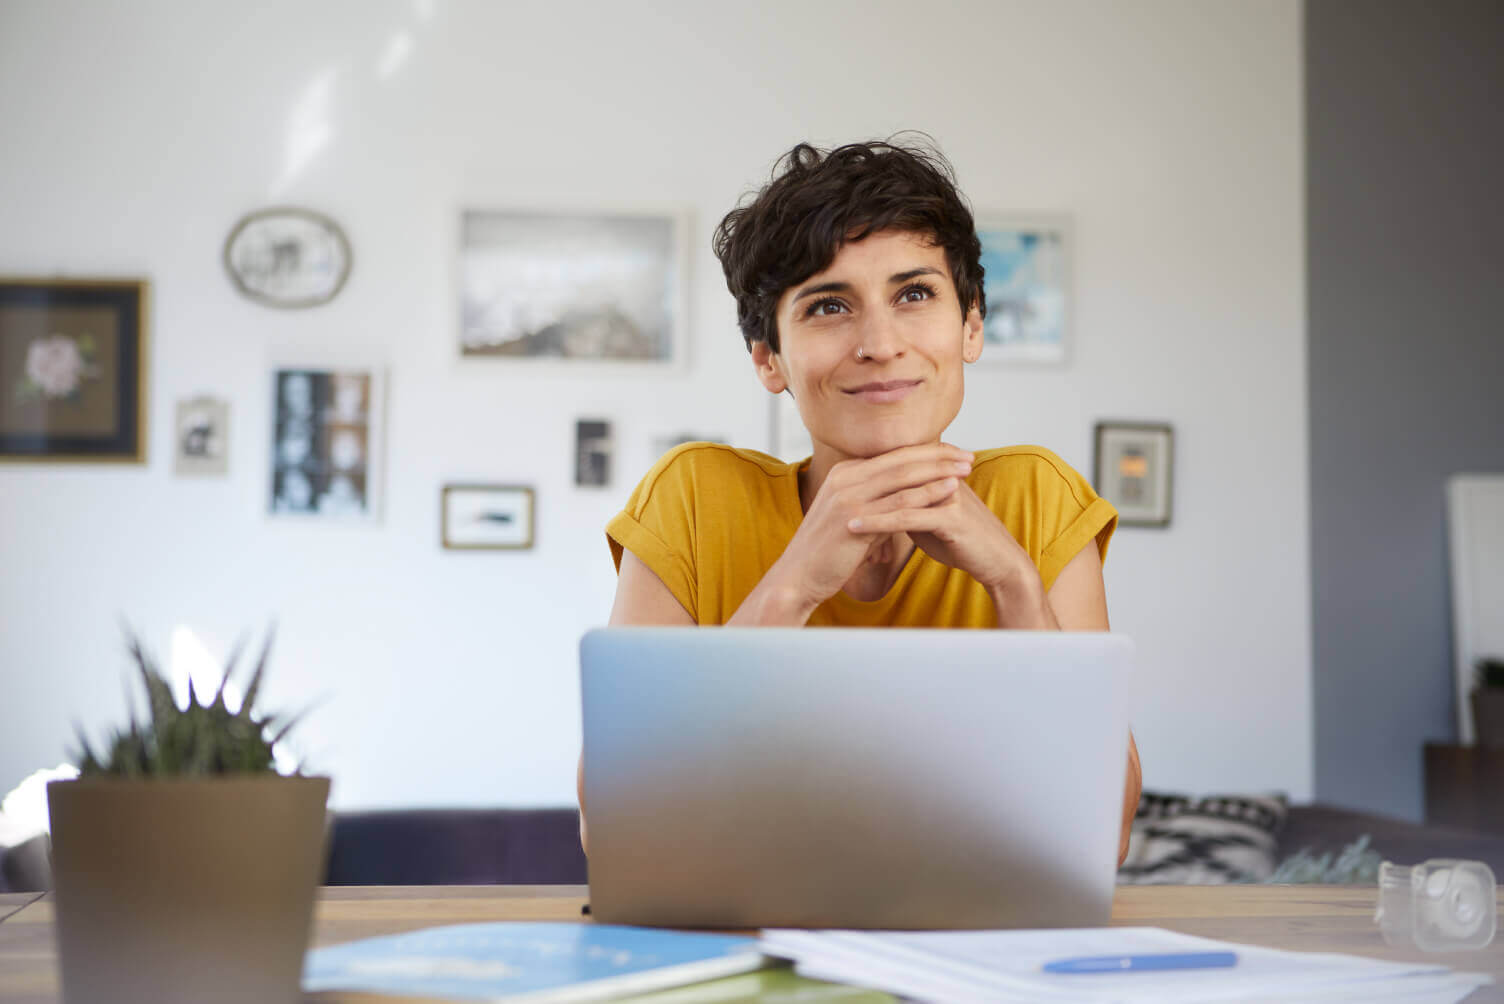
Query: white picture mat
{"type": "Point", "coordinates": [1157, 449]}
{"type": "Point", "coordinates": [466, 508]}
{"type": "Point", "coordinates": [1029, 261]}
{"type": "Point", "coordinates": [1475, 530]}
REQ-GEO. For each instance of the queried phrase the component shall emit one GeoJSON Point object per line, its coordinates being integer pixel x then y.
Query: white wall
{"type": "Point", "coordinates": [134, 135]}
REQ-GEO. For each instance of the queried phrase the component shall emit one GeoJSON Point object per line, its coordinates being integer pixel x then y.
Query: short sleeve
{"type": "Point", "coordinates": [657, 525]}
{"type": "Point", "coordinates": [1072, 515]}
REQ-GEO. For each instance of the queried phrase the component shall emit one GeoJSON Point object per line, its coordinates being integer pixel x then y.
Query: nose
{"type": "Point", "coordinates": [879, 339]}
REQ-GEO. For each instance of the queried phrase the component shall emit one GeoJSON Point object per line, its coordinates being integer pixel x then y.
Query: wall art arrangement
{"type": "Point", "coordinates": [1134, 470]}
{"type": "Point", "coordinates": [486, 517]}
{"type": "Point", "coordinates": [579, 287]}
{"type": "Point", "coordinates": [326, 442]}
{"type": "Point", "coordinates": [201, 445]}
{"type": "Point", "coordinates": [287, 257]}
{"type": "Point", "coordinates": [592, 453]}
{"type": "Point", "coordinates": [1028, 271]}
{"type": "Point", "coordinates": [73, 370]}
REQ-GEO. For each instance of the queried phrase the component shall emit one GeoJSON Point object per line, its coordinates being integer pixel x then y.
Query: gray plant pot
{"type": "Point", "coordinates": [1488, 716]}
{"type": "Point", "coordinates": [181, 890]}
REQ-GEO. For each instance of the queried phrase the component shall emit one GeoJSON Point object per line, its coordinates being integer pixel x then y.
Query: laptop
{"type": "Point", "coordinates": [853, 778]}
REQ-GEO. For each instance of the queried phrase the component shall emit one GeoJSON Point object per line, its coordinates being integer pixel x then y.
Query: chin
{"type": "Point", "coordinates": [877, 441]}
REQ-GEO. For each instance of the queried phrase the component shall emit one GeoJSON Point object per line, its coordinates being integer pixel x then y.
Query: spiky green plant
{"type": "Point", "coordinates": [203, 739]}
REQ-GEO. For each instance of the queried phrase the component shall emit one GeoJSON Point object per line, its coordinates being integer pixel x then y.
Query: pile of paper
{"type": "Point", "coordinates": [999, 966]}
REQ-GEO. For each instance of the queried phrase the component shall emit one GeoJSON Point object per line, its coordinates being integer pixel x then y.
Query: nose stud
{"type": "Point", "coordinates": [859, 353]}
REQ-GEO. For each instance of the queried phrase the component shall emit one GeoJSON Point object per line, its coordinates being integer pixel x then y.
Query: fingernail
{"type": "Point", "coordinates": [855, 524]}
{"type": "Point", "coordinates": [963, 468]}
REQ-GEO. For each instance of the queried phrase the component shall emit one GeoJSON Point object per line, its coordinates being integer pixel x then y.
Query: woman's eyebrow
{"type": "Point", "coordinates": [824, 287]}
{"type": "Point", "coordinates": [845, 287]}
{"type": "Point", "coordinates": [912, 273]}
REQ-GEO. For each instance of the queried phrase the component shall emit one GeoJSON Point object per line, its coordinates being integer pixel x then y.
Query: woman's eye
{"type": "Point", "coordinates": [825, 308]}
{"type": "Point", "coordinates": [914, 294]}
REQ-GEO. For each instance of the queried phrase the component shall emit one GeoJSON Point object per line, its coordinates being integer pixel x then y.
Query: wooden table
{"type": "Point", "coordinates": [1299, 917]}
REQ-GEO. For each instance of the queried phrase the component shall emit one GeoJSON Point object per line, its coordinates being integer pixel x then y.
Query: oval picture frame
{"type": "Point", "coordinates": [287, 257]}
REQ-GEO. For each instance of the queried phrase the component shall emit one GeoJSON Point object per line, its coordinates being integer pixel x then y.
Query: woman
{"type": "Point", "coordinates": [858, 286]}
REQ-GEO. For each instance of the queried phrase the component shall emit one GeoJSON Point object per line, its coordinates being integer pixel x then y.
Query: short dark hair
{"type": "Point", "coordinates": [817, 200]}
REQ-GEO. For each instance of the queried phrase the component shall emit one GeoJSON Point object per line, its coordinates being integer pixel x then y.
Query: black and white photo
{"type": "Point", "coordinates": [326, 442]}
{"type": "Point", "coordinates": [592, 453]}
{"type": "Point", "coordinates": [202, 437]}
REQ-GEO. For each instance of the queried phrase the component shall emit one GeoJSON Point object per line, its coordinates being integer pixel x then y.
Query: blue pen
{"type": "Point", "coordinates": [1142, 963]}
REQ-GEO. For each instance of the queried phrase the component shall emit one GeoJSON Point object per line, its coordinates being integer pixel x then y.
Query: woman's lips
{"type": "Point", "coordinates": [885, 391]}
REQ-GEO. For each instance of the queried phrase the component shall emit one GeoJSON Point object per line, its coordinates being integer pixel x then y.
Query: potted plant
{"type": "Point", "coordinates": [184, 865]}
{"type": "Point", "coordinates": [1488, 702]}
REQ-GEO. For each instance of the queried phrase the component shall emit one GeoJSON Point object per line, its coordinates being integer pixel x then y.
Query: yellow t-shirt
{"type": "Point", "coordinates": [710, 520]}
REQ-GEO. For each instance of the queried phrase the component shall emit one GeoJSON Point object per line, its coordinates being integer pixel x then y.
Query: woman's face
{"type": "Point", "coordinates": [872, 348]}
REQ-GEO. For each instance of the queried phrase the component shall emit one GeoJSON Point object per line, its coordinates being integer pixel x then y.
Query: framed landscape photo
{"type": "Point", "coordinates": [327, 442]}
{"type": "Point", "coordinates": [573, 287]}
{"type": "Point", "coordinates": [1027, 260]}
{"type": "Point", "coordinates": [478, 517]}
{"type": "Point", "coordinates": [73, 370]}
{"type": "Point", "coordinates": [1134, 470]}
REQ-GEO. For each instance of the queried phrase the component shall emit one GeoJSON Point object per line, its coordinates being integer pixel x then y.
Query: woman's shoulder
{"type": "Point", "coordinates": [699, 465]}
{"type": "Point", "coordinates": [1030, 466]}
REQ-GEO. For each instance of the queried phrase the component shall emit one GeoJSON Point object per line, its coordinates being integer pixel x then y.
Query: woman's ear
{"type": "Point", "coordinates": [971, 334]}
{"type": "Point", "coordinates": [769, 367]}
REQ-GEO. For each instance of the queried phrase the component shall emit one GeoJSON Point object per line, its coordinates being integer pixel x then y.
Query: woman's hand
{"type": "Point", "coordinates": [825, 551]}
{"type": "Point", "coordinates": [958, 530]}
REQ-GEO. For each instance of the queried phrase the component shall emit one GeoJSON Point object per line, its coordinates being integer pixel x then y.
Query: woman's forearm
{"type": "Point", "coordinates": [773, 602]}
{"type": "Point", "coordinates": [1023, 605]}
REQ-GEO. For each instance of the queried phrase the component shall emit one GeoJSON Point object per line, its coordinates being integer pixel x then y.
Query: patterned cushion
{"type": "Point", "coordinates": [1218, 839]}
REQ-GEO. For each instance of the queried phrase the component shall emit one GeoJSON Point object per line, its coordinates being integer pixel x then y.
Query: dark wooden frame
{"type": "Point", "coordinates": [130, 298]}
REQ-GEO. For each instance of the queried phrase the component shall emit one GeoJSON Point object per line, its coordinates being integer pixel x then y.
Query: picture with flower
{"type": "Point", "coordinates": [72, 370]}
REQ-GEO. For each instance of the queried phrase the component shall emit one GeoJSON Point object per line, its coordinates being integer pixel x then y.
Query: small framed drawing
{"type": "Point", "coordinates": [573, 287]}
{"type": "Point", "coordinates": [327, 442]}
{"type": "Point", "coordinates": [201, 444]}
{"type": "Point", "coordinates": [1134, 470]}
{"type": "Point", "coordinates": [287, 257]}
{"type": "Point", "coordinates": [1027, 260]}
{"type": "Point", "coordinates": [73, 370]}
{"type": "Point", "coordinates": [486, 517]}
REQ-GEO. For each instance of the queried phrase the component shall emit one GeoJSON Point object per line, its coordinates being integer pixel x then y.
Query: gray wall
{"type": "Point", "coordinates": [1405, 166]}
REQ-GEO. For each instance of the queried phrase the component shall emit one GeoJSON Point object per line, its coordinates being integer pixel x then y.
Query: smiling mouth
{"type": "Point", "coordinates": [884, 391]}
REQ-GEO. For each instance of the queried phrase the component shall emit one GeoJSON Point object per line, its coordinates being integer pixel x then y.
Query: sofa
{"type": "Point", "coordinates": [542, 847]}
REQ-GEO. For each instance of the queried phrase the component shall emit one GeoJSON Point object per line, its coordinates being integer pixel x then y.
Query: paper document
{"type": "Point", "coordinates": [1001, 966]}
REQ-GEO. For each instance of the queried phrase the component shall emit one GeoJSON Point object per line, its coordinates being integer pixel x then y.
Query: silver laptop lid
{"type": "Point", "coordinates": [861, 778]}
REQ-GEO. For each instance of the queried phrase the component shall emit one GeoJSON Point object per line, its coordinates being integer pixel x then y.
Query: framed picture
{"type": "Point", "coordinates": [789, 438]}
{"type": "Point", "coordinates": [202, 441]}
{"type": "Point", "coordinates": [73, 370]}
{"type": "Point", "coordinates": [592, 453]}
{"type": "Point", "coordinates": [1134, 470]}
{"type": "Point", "coordinates": [287, 257]}
{"type": "Point", "coordinates": [327, 443]}
{"type": "Point", "coordinates": [573, 287]}
{"type": "Point", "coordinates": [486, 517]}
{"type": "Point", "coordinates": [1027, 259]}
